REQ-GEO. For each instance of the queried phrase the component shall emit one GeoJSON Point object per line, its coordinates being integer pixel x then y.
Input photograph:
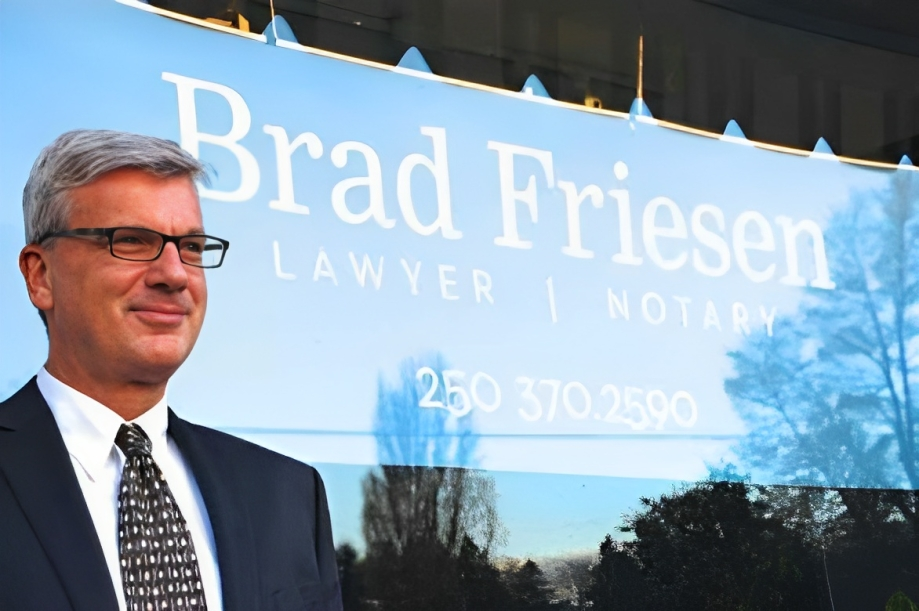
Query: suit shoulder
{"type": "Point", "coordinates": [245, 451]}
{"type": "Point", "coordinates": [20, 407]}
{"type": "Point", "coordinates": [25, 394]}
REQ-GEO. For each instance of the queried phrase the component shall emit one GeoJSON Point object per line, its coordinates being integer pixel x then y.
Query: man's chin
{"type": "Point", "coordinates": [155, 361]}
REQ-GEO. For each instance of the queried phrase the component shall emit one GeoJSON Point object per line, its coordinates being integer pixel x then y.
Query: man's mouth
{"type": "Point", "coordinates": [161, 314]}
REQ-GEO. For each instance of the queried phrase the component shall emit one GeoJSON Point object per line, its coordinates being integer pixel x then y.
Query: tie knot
{"type": "Point", "coordinates": [133, 441]}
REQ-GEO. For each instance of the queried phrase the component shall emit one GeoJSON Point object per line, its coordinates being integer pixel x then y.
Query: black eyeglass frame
{"type": "Point", "coordinates": [109, 232]}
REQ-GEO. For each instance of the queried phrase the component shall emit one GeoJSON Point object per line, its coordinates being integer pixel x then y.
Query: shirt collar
{"type": "Point", "coordinates": [89, 427]}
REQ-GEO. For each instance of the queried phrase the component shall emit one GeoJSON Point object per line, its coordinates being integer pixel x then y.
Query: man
{"type": "Point", "coordinates": [108, 500]}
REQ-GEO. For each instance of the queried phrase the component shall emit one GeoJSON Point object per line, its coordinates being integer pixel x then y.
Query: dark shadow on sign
{"type": "Point", "coordinates": [719, 545]}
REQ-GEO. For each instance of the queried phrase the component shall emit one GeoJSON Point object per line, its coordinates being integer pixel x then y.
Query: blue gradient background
{"type": "Point", "coordinates": [295, 365]}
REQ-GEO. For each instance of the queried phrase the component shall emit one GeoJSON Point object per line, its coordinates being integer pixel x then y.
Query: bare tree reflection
{"type": "Point", "coordinates": [830, 399]}
{"type": "Point", "coordinates": [430, 530]}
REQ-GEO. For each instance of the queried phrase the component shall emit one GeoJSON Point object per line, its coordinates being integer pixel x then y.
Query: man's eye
{"type": "Point", "coordinates": [193, 246]}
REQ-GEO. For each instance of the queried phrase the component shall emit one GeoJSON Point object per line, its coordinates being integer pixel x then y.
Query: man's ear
{"type": "Point", "coordinates": [35, 267]}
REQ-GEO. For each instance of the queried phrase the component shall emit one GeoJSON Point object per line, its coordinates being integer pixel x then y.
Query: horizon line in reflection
{"type": "Point", "coordinates": [655, 436]}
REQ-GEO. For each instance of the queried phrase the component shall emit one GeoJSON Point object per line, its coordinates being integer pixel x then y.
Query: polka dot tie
{"type": "Point", "coordinates": [159, 568]}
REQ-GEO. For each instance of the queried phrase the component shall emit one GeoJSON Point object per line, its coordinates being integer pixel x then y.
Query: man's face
{"type": "Point", "coordinates": [125, 321]}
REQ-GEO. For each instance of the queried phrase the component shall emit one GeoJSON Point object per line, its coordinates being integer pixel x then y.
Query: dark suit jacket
{"type": "Point", "coordinates": [268, 513]}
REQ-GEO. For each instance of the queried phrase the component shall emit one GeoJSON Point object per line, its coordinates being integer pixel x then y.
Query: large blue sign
{"type": "Point", "coordinates": [430, 272]}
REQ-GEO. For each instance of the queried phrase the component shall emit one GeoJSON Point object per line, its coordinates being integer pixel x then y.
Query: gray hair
{"type": "Point", "coordinates": [79, 157]}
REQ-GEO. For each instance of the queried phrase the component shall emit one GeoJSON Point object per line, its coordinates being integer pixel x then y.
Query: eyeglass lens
{"type": "Point", "coordinates": [144, 245]}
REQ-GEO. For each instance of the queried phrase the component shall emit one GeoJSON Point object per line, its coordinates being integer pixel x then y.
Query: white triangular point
{"type": "Point", "coordinates": [413, 60]}
{"type": "Point", "coordinates": [640, 112]}
{"type": "Point", "coordinates": [905, 161]}
{"type": "Point", "coordinates": [640, 109]}
{"type": "Point", "coordinates": [822, 150]}
{"type": "Point", "coordinates": [279, 29]}
{"type": "Point", "coordinates": [733, 133]}
{"type": "Point", "coordinates": [534, 86]}
{"type": "Point", "coordinates": [733, 130]}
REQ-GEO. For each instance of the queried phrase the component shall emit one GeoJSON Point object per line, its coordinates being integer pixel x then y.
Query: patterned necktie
{"type": "Point", "coordinates": [159, 567]}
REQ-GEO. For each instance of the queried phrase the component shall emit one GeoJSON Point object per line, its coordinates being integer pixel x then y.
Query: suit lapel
{"type": "Point", "coordinates": [229, 519]}
{"type": "Point", "coordinates": [38, 468]}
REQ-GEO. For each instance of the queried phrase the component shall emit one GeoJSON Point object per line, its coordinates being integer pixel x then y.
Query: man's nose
{"type": "Point", "coordinates": [168, 269]}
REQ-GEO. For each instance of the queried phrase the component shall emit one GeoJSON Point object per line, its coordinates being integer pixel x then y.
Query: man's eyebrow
{"type": "Point", "coordinates": [195, 230]}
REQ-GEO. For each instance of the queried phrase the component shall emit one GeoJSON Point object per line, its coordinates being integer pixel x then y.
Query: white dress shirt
{"type": "Point", "coordinates": [89, 430]}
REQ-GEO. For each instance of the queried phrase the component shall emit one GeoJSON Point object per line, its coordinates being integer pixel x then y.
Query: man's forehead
{"type": "Point", "coordinates": [130, 196]}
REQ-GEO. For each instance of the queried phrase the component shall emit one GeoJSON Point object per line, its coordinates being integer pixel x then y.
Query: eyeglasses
{"type": "Point", "coordinates": [139, 244]}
